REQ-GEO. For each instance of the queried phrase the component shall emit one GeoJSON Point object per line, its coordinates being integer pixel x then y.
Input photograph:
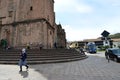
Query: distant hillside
{"type": "Point", "coordinates": [114, 36]}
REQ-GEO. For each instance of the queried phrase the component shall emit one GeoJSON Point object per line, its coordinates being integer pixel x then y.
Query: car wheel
{"type": "Point", "coordinates": [115, 59]}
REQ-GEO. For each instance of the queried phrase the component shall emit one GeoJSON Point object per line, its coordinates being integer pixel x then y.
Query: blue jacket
{"type": "Point", "coordinates": [23, 56]}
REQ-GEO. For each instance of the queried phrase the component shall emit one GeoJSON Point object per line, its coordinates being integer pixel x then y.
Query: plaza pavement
{"type": "Point", "coordinates": [95, 67]}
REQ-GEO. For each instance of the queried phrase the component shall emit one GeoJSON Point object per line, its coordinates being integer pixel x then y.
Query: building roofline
{"type": "Point", "coordinates": [116, 40]}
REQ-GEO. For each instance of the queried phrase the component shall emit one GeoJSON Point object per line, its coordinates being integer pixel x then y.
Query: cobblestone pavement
{"type": "Point", "coordinates": [95, 67]}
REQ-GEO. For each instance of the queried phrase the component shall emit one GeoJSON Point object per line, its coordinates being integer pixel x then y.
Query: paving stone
{"type": "Point", "coordinates": [95, 67]}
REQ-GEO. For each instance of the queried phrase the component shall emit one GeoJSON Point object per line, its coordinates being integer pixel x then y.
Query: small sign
{"type": "Point", "coordinates": [105, 33]}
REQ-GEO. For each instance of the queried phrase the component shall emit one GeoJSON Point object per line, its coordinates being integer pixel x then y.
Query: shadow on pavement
{"type": "Point", "coordinates": [95, 66]}
{"type": "Point", "coordinates": [24, 74]}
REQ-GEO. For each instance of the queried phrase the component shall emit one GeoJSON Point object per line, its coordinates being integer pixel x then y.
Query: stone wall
{"type": "Point", "coordinates": [33, 33]}
{"type": "Point", "coordinates": [28, 22]}
{"type": "Point", "coordinates": [20, 10]}
{"type": "Point", "coordinates": [61, 37]}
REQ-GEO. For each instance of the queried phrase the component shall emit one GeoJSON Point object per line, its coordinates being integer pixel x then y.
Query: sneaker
{"type": "Point", "coordinates": [20, 71]}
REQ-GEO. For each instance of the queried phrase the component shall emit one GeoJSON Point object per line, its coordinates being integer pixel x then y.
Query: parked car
{"type": "Point", "coordinates": [113, 54]}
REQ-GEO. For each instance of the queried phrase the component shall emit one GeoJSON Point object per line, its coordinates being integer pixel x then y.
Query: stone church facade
{"type": "Point", "coordinates": [30, 22]}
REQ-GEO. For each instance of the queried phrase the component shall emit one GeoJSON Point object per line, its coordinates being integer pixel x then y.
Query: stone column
{"type": "Point", "coordinates": [45, 33]}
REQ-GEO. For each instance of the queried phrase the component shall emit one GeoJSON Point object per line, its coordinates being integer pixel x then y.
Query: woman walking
{"type": "Point", "coordinates": [22, 61]}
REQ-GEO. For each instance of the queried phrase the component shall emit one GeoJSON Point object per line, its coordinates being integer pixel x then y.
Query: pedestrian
{"type": "Point", "coordinates": [40, 46]}
{"type": "Point", "coordinates": [23, 61]}
{"type": "Point", "coordinates": [107, 56]}
{"type": "Point", "coordinates": [28, 46]}
{"type": "Point", "coordinates": [55, 45]}
{"type": "Point", "coordinates": [81, 50]}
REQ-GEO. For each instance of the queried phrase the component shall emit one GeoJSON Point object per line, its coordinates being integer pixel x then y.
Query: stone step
{"type": "Point", "coordinates": [5, 56]}
{"type": "Point", "coordinates": [40, 56]}
{"type": "Point", "coordinates": [45, 61]}
{"type": "Point", "coordinates": [40, 51]}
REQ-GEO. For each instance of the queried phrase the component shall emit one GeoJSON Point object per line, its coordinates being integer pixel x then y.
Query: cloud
{"type": "Point", "coordinates": [113, 25]}
{"type": "Point", "coordinates": [73, 34]}
{"type": "Point", "coordinates": [84, 8]}
{"type": "Point", "coordinates": [63, 5]}
{"type": "Point", "coordinates": [72, 6]}
{"type": "Point", "coordinates": [108, 2]}
{"type": "Point", "coordinates": [114, 2]}
{"type": "Point", "coordinates": [92, 31]}
{"type": "Point", "coordinates": [84, 20]}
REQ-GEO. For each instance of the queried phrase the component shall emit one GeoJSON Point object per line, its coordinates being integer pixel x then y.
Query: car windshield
{"type": "Point", "coordinates": [116, 51]}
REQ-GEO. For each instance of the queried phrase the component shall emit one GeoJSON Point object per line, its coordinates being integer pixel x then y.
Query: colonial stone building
{"type": "Point", "coordinates": [61, 39]}
{"type": "Point", "coordinates": [30, 22]}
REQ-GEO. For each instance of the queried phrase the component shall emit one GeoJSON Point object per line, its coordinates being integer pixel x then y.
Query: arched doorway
{"type": "Point", "coordinates": [3, 43]}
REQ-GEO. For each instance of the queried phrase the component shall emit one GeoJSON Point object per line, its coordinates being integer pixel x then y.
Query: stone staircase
{"type": "Point", "coordinates": [36, 56]}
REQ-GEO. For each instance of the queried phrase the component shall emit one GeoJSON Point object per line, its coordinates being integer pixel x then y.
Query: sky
{"type": "Point", "coordinates": [87, 19]}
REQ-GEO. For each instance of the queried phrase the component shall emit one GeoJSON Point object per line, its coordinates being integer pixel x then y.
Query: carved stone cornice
{"type": "Point", "coordinates": [28, 22]}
